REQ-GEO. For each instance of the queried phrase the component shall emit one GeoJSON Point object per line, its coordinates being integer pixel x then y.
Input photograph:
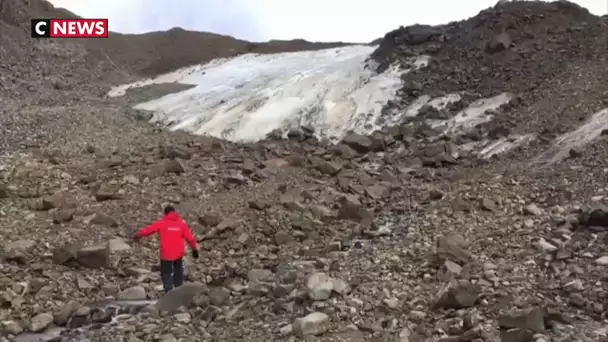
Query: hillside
{"type": "Point", "coordinates": [426, 230]}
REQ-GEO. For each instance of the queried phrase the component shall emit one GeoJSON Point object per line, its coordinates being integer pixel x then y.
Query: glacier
{"type": "Point", "coordinates": [246, 97]}
{"type": "Point", "coordinates": [332, 91]}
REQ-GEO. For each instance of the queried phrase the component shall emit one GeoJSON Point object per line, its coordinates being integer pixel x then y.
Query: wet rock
{"type": "Point", "coordinates": [313, 324]}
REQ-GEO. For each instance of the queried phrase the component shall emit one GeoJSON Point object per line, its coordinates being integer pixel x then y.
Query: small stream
{"type": "Point", "coordinates": [103, 314]}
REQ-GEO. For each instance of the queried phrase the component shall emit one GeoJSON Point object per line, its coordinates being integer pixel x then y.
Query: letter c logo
{"type": "Point", "coordinates": [37, 28]}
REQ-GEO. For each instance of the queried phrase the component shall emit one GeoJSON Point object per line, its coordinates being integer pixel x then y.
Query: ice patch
{"type": "Point", "coordinates": [439, 103]}
{"type": "Point", "coordinates": [503, 145]}
{"type": "Point", "coordinates": [246, 97]}
{"type": "Point", "coordinates": [476, 113]}
{"type": "Point", "coordinates": [591, 130]}
{"type": "Point", "coordinates": [463, 121]}
{"type": "Point", "coordinates": [473, 115]}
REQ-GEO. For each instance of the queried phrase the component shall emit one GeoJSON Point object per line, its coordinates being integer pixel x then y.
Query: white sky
{"type": "Point", "coordinates": [260, 20]}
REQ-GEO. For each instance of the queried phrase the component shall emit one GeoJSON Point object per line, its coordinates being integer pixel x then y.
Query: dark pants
{"type": "Point", "coordinates": [172, 273]}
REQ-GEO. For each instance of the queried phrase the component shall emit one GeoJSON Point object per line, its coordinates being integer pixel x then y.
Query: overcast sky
{"type": "Point", "coordinates": [260, 20]}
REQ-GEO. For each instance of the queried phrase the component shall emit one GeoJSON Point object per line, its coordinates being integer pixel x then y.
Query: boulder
{"type": "Point", "coordinates": [313, 324]}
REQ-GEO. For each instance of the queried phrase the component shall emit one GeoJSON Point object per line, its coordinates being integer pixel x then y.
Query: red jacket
{"type": "Point", "coordinates": [172, 231]}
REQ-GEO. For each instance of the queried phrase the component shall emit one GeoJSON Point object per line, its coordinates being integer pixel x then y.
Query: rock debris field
{"type": "Point", "coordinates": [409, 234]}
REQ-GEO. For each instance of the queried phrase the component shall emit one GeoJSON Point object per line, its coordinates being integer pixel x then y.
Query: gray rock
{"type": "Point", "coordinates": [10, 328]}
{"type": "Point", "coordinates": [453, 247]}
{"type": "Point", "coordinates": [458, 295]}
{"type": "Point", "coordinates": [118, 245]}
{"type": "Point", "coordinates": [103, 220]}
{"type": "Point", "coordinates": [260, 275]}
{"type": "Point", "coordinates": [20, 245]}
{"type": "Point", "coordinates": [313, 324]}
{"type": "Point", "coordinates": [532, 319]}
{"type": "Point", "coordinates": [97, 256]}
{"type": "Point", "coordinates": [516, 335]}
{"type": "Point", "coordinates": [358, 142]}
{"type": "Point", "coordinates": [63, 316]}
{"type": "Point", "coordinates": [63, 216]}
{"type": "Point", "coordinates": [219, 296]}
{"type": "Point", "coordinates": [133, 293]}
{"type": "Point", "coordinates": [174, 166]}
{"type": "Point", "coordinates": [532, 210]}
{"type": "Point", "coordinates": [66, 253]}
{"type": "Point", "coordinates": [449, 270]}
{"type": "Point", "coordinates": [40, 322]}
{"type": "Point", "coordinates": [181, 296]}
{"type": "Point", "coordinates": [319, 286]}
{"type": "Point", "coordinates": [498, 43]}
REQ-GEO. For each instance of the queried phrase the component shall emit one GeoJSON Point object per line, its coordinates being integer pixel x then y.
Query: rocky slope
{"type": "Point", "coordinates": [393, 237]}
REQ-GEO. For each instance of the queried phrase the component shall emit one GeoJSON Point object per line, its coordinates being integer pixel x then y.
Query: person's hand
{"type": "Point", "coordinates": [195, 254]}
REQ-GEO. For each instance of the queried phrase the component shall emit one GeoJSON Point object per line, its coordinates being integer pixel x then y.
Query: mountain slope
{"type": "Point", "coordinates": [404, 235]}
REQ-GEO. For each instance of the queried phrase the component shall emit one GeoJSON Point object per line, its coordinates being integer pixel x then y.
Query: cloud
{"type": "Point", "coordinates": [259, 20]}
{"type": "Point", "coordinates": [228, 17]}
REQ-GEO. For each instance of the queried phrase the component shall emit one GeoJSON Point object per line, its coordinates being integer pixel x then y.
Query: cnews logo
{"type": "Point", "coordinates": [69, 28]}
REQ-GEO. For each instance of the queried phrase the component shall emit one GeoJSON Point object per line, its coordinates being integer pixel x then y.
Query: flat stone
{"type": "Point", "coordinates": [133, 293]}
{"type": "Point", "coordinates": [41, 322]}
{"type": "Point", "coordinates": [180, 296]}
{"type": "Point", "coordinates": [314, 324]}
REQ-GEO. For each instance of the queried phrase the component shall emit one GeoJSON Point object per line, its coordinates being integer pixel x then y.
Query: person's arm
{"type": "Point", "coordinates": [147, 231]}
{"type": "Point", "coordinates": [187, 234]}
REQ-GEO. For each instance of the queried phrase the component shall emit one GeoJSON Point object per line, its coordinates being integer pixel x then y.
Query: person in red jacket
{"type": "Point", "coordinates": [172, 232]}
